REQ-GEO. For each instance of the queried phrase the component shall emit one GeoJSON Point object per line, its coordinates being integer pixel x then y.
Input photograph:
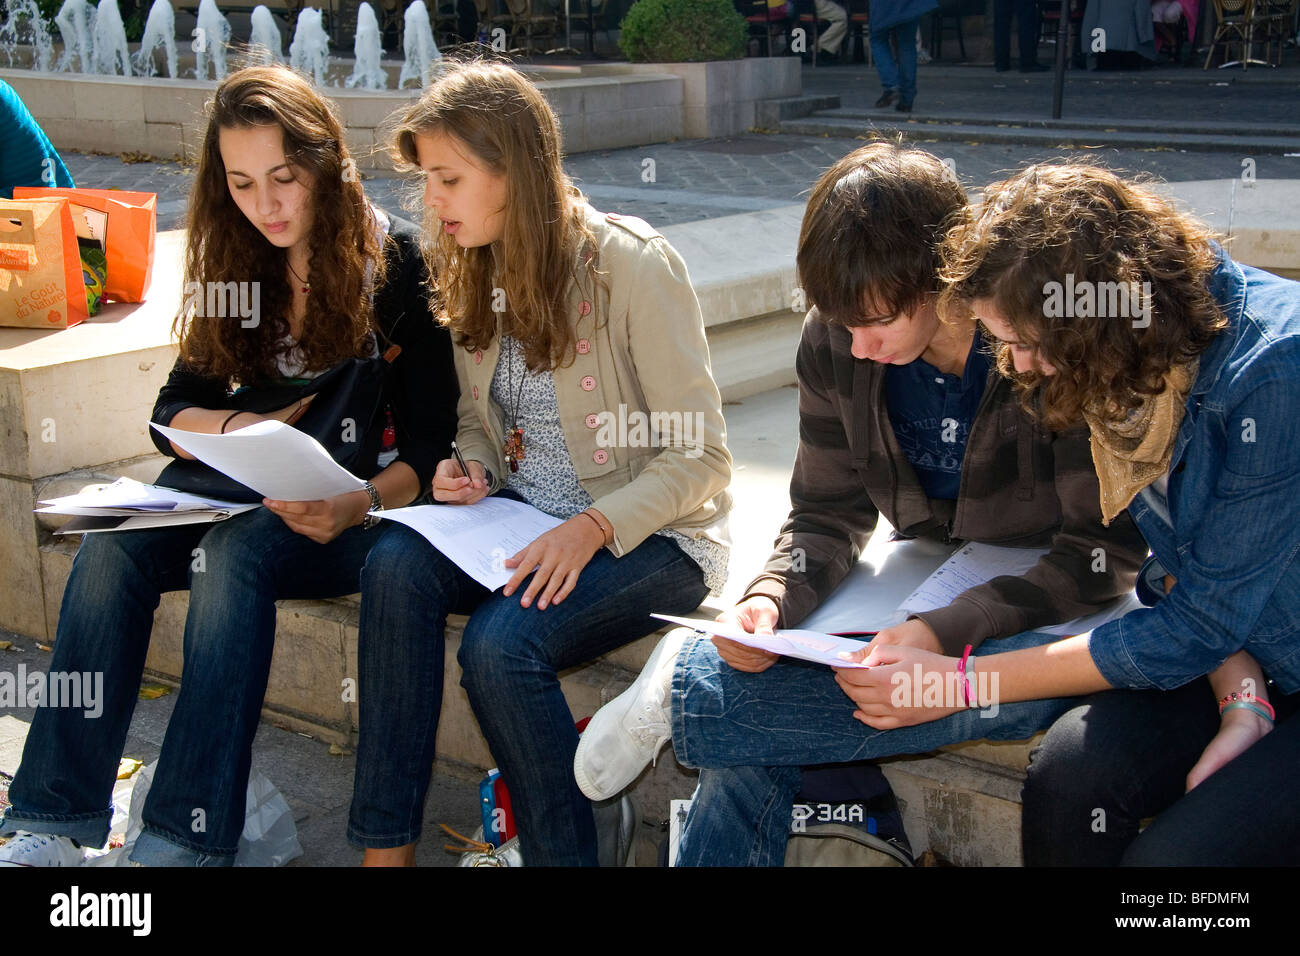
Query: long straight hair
{"type": "Point", "coordinates": [222, 246]}
{"type": "Point", "coordinates": [510, 130]}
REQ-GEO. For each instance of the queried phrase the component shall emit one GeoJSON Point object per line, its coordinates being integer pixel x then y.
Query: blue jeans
{"type": "Point", "coordinates": [1123, 756]}
{"type": "Point", "coordinates": [901, 74]}
{"type": "Point", "coordinates": [235, 571]}
{"type": "Point", "coordinates": [751, 733]}
{"type": "Point", "coordinates": [510, 657]}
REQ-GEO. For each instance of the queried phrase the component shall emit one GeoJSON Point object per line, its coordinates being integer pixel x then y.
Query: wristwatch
{"type": "Point", "coordinates": [376, 504]}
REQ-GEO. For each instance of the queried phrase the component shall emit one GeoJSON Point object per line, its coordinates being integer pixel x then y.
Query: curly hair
{"type": "Point", "coordinates": [509, 129]}
{"type": "Point", "coordinates": [872, 228]}
{"type": "Point", "coordinates": [1053, 228]}
{"type": "Point", "coordinates": [222, 246]}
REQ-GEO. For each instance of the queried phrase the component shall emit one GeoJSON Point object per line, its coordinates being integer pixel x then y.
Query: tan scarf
{"type": "Point", "coordinates": [1131, 454]}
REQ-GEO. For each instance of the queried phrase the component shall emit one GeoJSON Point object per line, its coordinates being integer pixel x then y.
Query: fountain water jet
{"type": "Point", "coordinates": [159, 31]}
{"type": "Point", "coordinates": [76, 22]}
{"type": "Point", "coordinates": [110, 53]}
{"type": "Point", "coordinates": [310, 50]}
{"type": "Point", "coordinates": [36, 30]}
{"type": "Point", "coordinates": [265, 44]}
{"type": "Point", "coordinates": [211, 37]}
{"type": "Point", "coordinates": [418, 46]}
{"type": "Point", "coordinates": [367, 73]}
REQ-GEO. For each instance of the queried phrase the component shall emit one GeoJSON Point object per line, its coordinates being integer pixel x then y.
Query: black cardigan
{"type": "Point", "coordinates": [421, 388]}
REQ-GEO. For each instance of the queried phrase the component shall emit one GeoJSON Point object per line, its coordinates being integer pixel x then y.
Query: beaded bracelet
{"type": "Point", "coordinates": [1249, 705]}
{"type": "Point", "coordinates": [1232, 698]}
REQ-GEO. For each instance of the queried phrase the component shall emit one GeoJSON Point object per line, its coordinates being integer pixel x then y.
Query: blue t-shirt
{"type": "Point", "coordinates": [932, 412]}
{"type": "Point", "coordinates": [24, 147]}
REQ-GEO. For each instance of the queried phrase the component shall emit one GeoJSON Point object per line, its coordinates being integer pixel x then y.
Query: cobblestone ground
{"type": "Point", "coordinates": [706, 179]}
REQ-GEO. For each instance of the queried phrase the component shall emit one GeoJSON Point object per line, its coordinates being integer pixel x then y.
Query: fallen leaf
{"type": "Point", "coordinates": [127, 767]}
{"type": "Point", "coordinates": [337, 751]}
{"type": "Point", "coordinates": [154, 691]}
{"type": "Point", "coordinates": [5, 645]}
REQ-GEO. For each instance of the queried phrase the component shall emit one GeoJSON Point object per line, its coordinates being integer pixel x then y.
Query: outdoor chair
{"type": "Point", "coordinates": [491, 16]}
{"type": "Point", "coordinates": [1236, 24]}
{"type": "Point", "coordinates": [806, 16]}
{"type": "Point", "coordinates": [764, 21]}
{"type": "Point", "coordinates": [1275, 22]}
{"type": "Point", "coordinates": [1049, 25]}
{"type": "Point", "coordinates": [951, 10]}
{"type": "Point", "coordinates": [446, 24]}
{"type": "Point", "coordinates": [860, 30]}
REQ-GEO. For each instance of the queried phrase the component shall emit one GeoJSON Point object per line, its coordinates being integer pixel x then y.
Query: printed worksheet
{"type": "Point", "coordinates": [974, 564]}
{"type": "Point", "coordinates": [867, 599]}
{"type": "Point", "coordinates": [970, 566]}
{"type": "Point", "coordinates": [478, 537]}
{"type": "Point", "coordinates": [274, 459]}
{"type": "Point", "coordinates": [805, 645]}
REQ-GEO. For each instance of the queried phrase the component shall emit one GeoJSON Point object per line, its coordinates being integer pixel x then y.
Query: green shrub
{"type": "Point", "coordinates": [682, 31]}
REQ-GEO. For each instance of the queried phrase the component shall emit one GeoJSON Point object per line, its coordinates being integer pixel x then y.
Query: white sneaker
{"type": "Point", "coordinates": [39, 849]}
{"type": "Point", "coordinates": [627, 733]}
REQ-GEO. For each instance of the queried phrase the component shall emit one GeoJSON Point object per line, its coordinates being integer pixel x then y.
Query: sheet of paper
{"type": "Point", "coordinates": [90, 524]}
{"type": "Point", "coordinates": [867, 599]}
{"type": "Point", "coordinates": [478, 537]}
{"type": "Point", "coordinates": [128, 496]}
{"type": "Point", "coordinates": [930, 575]}
{"type": "Point", "coordinates": [1116, 609]}
{"type": "Point", "coordinates": [974, 564]}
{"type": "Point", "coordinates": [274, 459]}
{"type": "Point", "coordinates": [804, 644]}
{"type": "Point", "coordinates": [970, 566]}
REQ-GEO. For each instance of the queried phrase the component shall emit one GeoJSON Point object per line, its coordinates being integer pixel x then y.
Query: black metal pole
{"type": "Point", "coordinates": [1062, 40]}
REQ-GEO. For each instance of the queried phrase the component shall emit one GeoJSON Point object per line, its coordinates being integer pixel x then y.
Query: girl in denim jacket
{"type": "Point", "coordinates": [1113, 307]}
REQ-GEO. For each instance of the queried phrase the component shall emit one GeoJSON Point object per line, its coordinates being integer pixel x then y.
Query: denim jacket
{"type": "Point", "coordinates": [1234, 505]}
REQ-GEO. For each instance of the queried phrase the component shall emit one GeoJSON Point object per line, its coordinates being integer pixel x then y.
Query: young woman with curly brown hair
{"type": "Point", "coordinates": [1183, 363]}
{"type": "Point", "coordinates": [277, 205]}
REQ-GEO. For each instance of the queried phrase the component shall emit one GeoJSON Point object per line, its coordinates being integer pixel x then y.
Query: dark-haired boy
{"type": "Point", "coordinates": [901, 415]}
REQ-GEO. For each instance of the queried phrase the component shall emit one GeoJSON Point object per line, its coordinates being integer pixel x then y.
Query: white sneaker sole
{"type": "Point", "coordinates": [614, 712]}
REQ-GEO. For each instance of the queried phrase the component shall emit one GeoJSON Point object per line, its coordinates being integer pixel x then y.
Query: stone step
{"type": "Point", "coordinates": [771, 113]}
{"type": "Point", "coordinates": [921, 128]}
{"type": "Point", "coordinates": [314, 666]}
{"type": "Point", "coordinates": [1098, 123]}
{"type": "Point", "coordinates": [965, 810]}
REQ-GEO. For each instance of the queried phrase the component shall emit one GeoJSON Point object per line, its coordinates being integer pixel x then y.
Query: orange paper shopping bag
{"type": "Point", "coordinates": [130, 223]}
{"type": "Point", "coordinates": [40, 267]}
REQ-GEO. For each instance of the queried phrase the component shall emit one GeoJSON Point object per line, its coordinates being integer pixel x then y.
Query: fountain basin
{"type": "Point", "coordinates": [600, 106]}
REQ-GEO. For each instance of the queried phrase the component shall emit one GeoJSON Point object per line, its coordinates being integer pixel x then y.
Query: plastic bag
{"type": "Point", "coordinates": [270, 836]}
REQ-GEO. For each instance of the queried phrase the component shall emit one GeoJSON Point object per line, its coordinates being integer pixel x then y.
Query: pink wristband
{"type": "Point", "coordinates": [965, 678]}
{"type": "Point", "coordinates": [1247, 698]}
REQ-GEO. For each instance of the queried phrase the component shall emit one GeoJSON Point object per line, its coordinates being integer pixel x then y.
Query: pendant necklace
{"type": "Point", "coordinates": [514, 443]}
{"type": "Point", "coordinates": [303, 282]}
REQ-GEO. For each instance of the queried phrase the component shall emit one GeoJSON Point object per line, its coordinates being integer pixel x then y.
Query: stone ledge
{"type": "Point", "coordinates": [600, 106]}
